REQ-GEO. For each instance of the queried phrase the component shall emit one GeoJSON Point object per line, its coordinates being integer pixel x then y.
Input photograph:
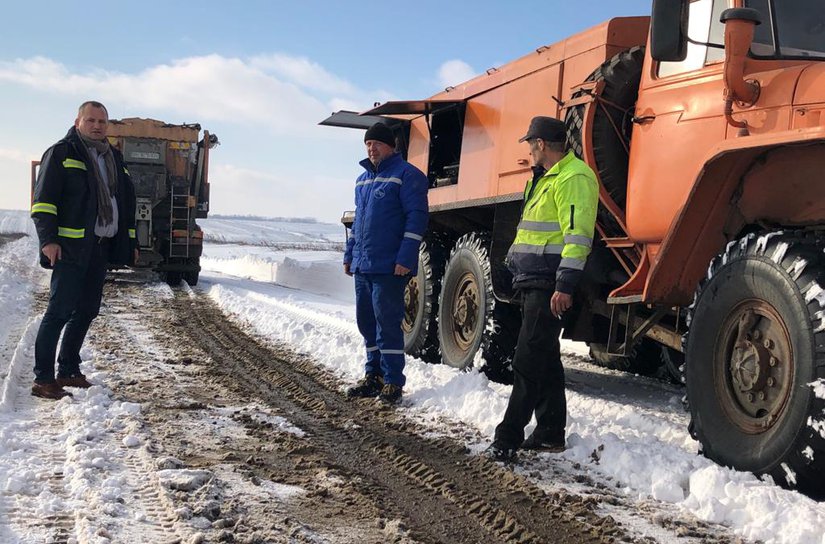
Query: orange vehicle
{"type": "Point", "coordinates": [169, 165]}
{"type": "Point", "coordinates": [705, 125]}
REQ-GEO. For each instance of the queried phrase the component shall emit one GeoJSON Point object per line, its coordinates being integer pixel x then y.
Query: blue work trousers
{"type": "Point", "coordinates": [74, 301]}
{"type": "Point", "coordinates": [379, 310]}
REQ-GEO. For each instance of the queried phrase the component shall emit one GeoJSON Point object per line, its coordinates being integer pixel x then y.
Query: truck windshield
{"type": "Point", "coordinates": [790, 29]}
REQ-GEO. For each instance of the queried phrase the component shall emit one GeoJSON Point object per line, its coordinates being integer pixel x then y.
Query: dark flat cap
{"type": "Point", "coordinates": [546, 128]}
{"type": "Point", "coordinates": [381, 133]}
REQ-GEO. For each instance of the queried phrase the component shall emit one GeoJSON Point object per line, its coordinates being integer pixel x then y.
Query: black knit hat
{"type": "Point", "coordinates": [547, 129]}
{"type": "Point", "coordinates": [380, 133]}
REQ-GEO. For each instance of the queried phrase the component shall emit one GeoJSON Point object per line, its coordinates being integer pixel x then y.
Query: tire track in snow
{"type": "Point", "coordinates": [400, 469]}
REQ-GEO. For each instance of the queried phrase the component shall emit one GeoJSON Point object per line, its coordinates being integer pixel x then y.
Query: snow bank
{"type": "Point", "coordinates": [282, 234]}
{"type": "Point", "coordinates": [16, 222]}
{"type": "Point", "coordinates": [319, 272]}
{"type": "Point", "coordinates": [19, 273]}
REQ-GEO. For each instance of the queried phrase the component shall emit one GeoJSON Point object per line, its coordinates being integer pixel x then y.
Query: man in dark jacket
{"type": "Point", "coordinates": [391, 214]}
{"type": "Point", "coordinates": [552, 242]}
{"type": "Point", "coordinates": [84, 212]}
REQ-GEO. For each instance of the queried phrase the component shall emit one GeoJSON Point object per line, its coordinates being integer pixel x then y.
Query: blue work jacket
{"type": "Point", "coordinates": [391, 213]}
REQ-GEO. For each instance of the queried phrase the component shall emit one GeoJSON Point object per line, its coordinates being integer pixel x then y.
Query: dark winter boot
{"type": "Point", "coordinates": [369, 387]}
{"type": "Point", "coordinates": [501, 452]}
{"type": "Point", "coordinates": [390, 394]}
{"type": "Point", "coordinates": [536, 443]}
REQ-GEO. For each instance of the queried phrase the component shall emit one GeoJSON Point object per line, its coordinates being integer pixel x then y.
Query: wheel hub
{"type": "Point", "coordinates": [749, 366]}
{"type": "Point", "coordinates": [465, 308]}
{"type": "Point", "coordinates": [757, 366]}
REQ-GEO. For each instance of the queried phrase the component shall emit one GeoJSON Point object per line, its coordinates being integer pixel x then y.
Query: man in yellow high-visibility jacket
{"type": "Point", "coordinates": [553, 240]}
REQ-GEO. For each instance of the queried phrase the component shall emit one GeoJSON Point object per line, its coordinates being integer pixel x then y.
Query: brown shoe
{"type": "Point", "coordinates": [50, 390]}
{"type": "Point", "coordinates": [78, 380]}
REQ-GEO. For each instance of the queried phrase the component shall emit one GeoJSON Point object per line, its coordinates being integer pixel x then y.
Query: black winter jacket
{"type": "Point", "coordinates": [64, 205]}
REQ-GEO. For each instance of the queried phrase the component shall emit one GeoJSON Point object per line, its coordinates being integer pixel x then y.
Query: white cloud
{"type": "Point", "coordinates": [16, 155]}
{"type": "Point", "coordinates": [303, 72]}
{"type": "Point", "coordinates": [288, 95]}
{"type": "Point", "coordinates": [274, 159]}
{"type": "Point", "coordinates": [453, 72]}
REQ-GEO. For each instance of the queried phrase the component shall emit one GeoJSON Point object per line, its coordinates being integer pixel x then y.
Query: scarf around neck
{"type": "Point", "coordinates": [105, 191]}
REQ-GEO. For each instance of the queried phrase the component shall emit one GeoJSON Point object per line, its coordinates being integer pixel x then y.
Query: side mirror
{"type": "Point", "coordinates": [668, 30]}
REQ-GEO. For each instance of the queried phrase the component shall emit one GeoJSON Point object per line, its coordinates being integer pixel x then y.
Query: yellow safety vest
{"type": "Point", "coordinates": [555, 234]}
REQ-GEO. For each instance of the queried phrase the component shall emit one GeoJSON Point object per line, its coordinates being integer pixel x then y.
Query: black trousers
{"type": "Point", "coordinates": [538, 384]}
{"type": "Point", "coordinates": [74, 301]}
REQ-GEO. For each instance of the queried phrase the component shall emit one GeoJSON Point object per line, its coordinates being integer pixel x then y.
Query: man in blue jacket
{"type": "Point", "coordinates": [391, 214]}
{"type": "Point", "coordinates": [84, 212]}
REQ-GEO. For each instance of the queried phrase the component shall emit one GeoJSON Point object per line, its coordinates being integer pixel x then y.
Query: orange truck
{"type": "Point", "coordinates": [169, 166]}
{"type": "Point", "coordinates": [705, 123]}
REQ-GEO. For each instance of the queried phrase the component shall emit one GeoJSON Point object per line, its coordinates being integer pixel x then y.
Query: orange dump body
{"type": "Point", "coordinates": [179, 141]}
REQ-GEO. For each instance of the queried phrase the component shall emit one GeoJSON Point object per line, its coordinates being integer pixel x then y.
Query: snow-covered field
{"type": "Point", "coordinates": [626, 431]}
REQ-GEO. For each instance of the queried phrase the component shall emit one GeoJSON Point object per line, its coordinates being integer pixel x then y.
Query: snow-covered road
{"type": "Point", "coordinates": [627, 435]}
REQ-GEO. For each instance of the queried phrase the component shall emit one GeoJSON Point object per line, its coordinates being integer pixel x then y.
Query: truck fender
{"type": "Point", "coordinates": [738, 186]}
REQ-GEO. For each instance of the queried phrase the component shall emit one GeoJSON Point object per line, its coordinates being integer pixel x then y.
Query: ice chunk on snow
{"type": "Point", "coordinates": [185, 479]}
{"type": "Point", "coordinates": [131, 441]}
{"type": "Point", "coordinates": [667, 489]}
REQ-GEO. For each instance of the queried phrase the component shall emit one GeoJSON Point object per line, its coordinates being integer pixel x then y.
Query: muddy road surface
{"type": "Point", "coordinates": [239, 439]}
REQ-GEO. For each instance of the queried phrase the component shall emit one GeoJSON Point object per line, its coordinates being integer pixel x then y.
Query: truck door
{"type": "Point", "coordinates": [679, 117]}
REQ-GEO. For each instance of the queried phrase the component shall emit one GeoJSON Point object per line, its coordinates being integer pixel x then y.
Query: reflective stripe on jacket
{"type": "Point", "coordinates": [555, 234]}
{"type": "Point", "coordinates": [391, 213]}
{"type": "Point", "coordinates": [64, 209]}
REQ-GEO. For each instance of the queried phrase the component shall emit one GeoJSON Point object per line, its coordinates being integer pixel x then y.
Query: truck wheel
{"type": "Point", "coordinates": [172, 278]}
{"type": "Point", "coordinates": [755, 357]}
{"type": "Point", "coordinates": [191, 277]}
{"type": "Point", "coordinates": [643, 359]}
{"type": "Point", "coordinates": [469, 317]}
{"type": "Point", "coordinates": [421, 302]}
{"type": "Point", "coordinates": [621, 75]}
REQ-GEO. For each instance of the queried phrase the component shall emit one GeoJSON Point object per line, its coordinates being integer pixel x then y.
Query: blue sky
{"type": "Point", "coordinates": [259, 74]}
